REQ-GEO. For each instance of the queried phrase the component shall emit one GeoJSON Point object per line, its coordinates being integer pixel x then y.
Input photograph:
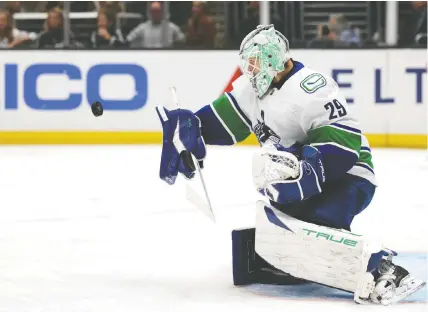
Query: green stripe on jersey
{"type": "Point", "coordinates": [230, 118]}
{"type": "Point", "coordinates": [366, 157]}
{"type": "Point", "coordinates": [342, 138]}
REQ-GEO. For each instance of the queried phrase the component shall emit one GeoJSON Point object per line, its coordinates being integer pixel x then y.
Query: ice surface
{"type": "Point", "coordinates": [93, 228]}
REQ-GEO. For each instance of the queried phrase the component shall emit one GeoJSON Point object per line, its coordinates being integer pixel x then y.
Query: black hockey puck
{"type": "Point", "coordinates": [97, 109]}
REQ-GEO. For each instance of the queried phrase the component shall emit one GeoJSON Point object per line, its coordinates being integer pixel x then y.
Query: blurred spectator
{"type": "Point", "coordinates": [52, 5]}
{"type": "Point", "coordinates": [155, 33]}
{"type": "Point", "coordinates": [341, 31]}
{"type": "Point", "coordinates": [412, 24]}
{"type": "Point", "coordinates": [324, 38]}
{"type": "Point", "coordinates": [53, 35]}
{"type": "Point", "coordinates": [11, 37]}
{"type": "Point", "coordinates": [201, 29]}
{"type": "Point", "coordinates": [324, 33]}
{"type": "Point", "coordinates": [106, 35]}
{"type": "Point", "coordinates": [112, 7]}
{"type": "Point", "coordinates": [420, 8]}
{"type": "Point", "coordinates": [11, 6]}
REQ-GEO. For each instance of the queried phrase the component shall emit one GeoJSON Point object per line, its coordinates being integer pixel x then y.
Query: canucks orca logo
{"type": "Point", "coordinates": [263, 132]}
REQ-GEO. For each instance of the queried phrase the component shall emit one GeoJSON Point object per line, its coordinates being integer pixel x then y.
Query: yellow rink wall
{"type": "Point", "coordinates": [375, 140]}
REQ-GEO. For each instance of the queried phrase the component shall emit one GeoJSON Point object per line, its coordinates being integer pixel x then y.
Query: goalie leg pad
{"type": "Point", "coordinates": [249, 267]}
{"type": "Point", "coordinates": [335, 258]}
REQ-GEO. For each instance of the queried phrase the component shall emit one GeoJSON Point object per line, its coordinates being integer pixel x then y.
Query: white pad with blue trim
{"type": "Point", "coordinates": [336, 258]}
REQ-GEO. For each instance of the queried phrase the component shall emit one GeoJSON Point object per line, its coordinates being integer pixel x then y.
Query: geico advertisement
{"type": "Point", "coordinates": [65, 86]}
{"type": "Point", "coordinates": [54, 90]}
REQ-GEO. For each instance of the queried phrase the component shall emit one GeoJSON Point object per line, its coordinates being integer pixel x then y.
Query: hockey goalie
{"type": "Point", "coordinates": [314, 169]}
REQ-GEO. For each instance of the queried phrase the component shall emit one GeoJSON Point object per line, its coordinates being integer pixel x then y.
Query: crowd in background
{"type": "Point", "coordinates": [185, 24]}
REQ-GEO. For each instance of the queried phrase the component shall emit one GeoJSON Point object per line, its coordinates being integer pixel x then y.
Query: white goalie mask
{"type": "Point", "coordinates": [263, 54]}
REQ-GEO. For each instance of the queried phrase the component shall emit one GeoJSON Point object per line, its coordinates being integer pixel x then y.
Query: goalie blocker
{"type": "Point", "coordinates": [287, 251]}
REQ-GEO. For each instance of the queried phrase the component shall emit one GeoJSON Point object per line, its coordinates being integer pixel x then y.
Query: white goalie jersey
{"type": "Point", "coordinates": [308, 109]}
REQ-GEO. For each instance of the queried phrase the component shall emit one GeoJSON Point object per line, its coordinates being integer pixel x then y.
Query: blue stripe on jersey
{"type": "Point", "coordinates": [241, 112]}
{"type": "Point", "coordinates": [213, 131]}
{"type": "Point", "coordinates": [365, 166]}
{"type": "Point", "coordinates": [364, 148]}
{"type": "Point", "coordinates": [336, 160]}
{"type": "Point", "coordinates": [346, 127]}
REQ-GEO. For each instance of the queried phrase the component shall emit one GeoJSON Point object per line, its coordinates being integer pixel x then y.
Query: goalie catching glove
{"type": "Point", "coordinates": [181, 138]}
{"type": "Point", "coordinates": [280, 175]}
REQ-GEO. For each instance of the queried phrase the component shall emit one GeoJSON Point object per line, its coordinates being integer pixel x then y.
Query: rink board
{"type": "Point", "coordinates": [416, 263]}
{"type": "Point", "coordinates": [70, 137]}
{"type": "Point", "coordinates": [45, 96]}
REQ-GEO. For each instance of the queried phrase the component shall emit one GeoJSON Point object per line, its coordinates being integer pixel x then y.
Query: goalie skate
{"type": "Point", "coordinates": [393, 284]}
